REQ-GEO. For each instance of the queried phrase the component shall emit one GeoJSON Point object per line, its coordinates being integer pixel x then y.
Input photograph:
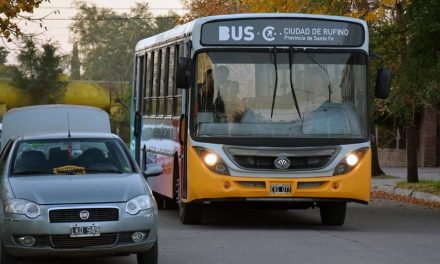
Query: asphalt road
{"type": "Point", "coordinates": [382, 232]}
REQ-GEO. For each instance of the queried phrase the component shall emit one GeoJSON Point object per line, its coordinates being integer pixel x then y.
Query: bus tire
{"type": "Point", "coordinates": [148, 257]}
{"type": "Point", "coordinates": [333, 214]}
{"type": "Point", "coordinates": [190, 214]}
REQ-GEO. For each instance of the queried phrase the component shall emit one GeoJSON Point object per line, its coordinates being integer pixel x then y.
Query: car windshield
{"type": "Point", "coordinates": [70, 156]}
{"type": "Point", "coordinates": [280, 94]}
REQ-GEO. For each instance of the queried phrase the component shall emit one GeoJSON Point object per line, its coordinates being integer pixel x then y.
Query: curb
{"type": "Point", "coordinates": [407, 192]}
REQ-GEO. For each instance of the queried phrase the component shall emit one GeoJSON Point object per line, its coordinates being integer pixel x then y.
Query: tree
{"type": "Point", "coordinates": [420, 69]}
{"type": "Point", "coordinates": [3, 55]}
{"type": "Point", "coordinates": [12, 10]}
{"type": "Point", "coordinates": [199, 8]}
{"type": "Point", "coordinates": [164, 23]}
{"type": "Point", "coordinates": [106, 39]}
{"type": "Point", "coordinates": [38, 73]}
{"type": "Point", "coordinates": [75, 65]}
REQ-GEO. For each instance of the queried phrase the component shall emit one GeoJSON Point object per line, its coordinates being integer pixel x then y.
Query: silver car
{"type": "Point", "coordinates": [75, 195]}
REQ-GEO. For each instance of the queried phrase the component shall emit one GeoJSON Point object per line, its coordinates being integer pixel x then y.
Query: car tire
{"type": "Point", "coordinates": [159, 200]}
{"type": "Point", "coordinates": [150, 256]}
{"type": "Point", "coordinates": [190, 214]}
{"type": "Point", "coordinates": [6, 258]}
{"type": "Point", "coordinates": [333, 214]}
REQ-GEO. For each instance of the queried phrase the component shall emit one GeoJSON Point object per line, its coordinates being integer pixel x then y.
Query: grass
{"type": "Point", "coordinates": [385, 176]}
{"type": "Point", "coordinates": [427, 186]}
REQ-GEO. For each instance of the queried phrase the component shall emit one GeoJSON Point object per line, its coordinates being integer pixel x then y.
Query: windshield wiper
{"type": "Point", "coordinates": [105, 171]}
{"type": "Point", "coordinates": [291, 81]}
{"type": "Point", "coordinates": [276, 80]}
{"type": "Point", "coordinates": [326, 72]}
{"type": "Point", "coordinates": [29, 172]}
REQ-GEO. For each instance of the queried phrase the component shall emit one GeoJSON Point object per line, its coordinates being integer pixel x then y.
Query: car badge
{"type": "Point", "coordinates": [282, 163]}
{"type": "Point", "coordinates": [84, 215]}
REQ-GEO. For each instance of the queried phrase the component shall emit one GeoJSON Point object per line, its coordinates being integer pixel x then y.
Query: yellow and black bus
{"type": "Point", "coordinates": [256, 109]}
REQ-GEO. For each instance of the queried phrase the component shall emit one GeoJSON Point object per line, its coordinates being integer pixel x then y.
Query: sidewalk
{"type": "Point", "coordinates": [389, 185]}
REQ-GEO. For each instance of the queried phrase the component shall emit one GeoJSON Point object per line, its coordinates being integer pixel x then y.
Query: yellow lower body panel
{"type": "Point", "coordinates": [203, 184]}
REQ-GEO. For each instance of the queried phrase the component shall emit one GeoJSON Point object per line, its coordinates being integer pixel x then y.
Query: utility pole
{"type": "Point", "coordinates": [237, 6]}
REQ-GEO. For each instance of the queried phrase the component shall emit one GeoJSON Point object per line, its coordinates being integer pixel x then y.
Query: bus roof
{"type": "Point", "coordinates": [194, 27]}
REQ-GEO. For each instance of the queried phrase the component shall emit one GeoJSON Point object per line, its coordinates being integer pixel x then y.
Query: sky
{"type": "Point", "coordinates": [58, 30]}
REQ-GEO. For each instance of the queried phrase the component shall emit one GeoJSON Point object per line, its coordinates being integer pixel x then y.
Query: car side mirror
{"type": "Point", "coordinates": [152, 170]}
{"type": "Point", "coordinates": [182, 73]}
{"type": "Point", "coordinates": [383, 83]}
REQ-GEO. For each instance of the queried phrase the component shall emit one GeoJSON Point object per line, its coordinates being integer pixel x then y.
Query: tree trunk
{"type": "Point", "coordinates": [411, 153]}
{"type": "Point", "coordinates": [376, 170]}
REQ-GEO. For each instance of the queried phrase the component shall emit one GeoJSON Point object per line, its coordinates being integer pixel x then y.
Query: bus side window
{"type": "Point", "coordinates": [170, 81]}
{"type": "Point", "coordinates": [151, 106]}
{"type": "Point", "coordinates": [147, 86]}
{"type": "Point", "coordinates": [163, 84]}
{"type": "Point", "coordinates": [177, 92]}
{"type": "Point", "coordinates": [156, 83]}
{"type": "Point", "coordinates": [139, 79]}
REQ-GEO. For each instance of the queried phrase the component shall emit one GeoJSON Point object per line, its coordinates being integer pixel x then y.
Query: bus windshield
{"type": "Point", "coordinates": [252, 94]}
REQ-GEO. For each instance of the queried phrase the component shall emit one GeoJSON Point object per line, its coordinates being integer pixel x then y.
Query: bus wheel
{"type": "Point", "coordinates": [333, 213]}
{"type": "Point", "coordinates": [171, 203]}
{"type": "Point", "coordinates": [190, 214]}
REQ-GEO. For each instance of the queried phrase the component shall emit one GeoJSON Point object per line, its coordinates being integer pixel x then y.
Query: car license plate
{"type": "Point", "coordinates": [84, 230]}
{"type": "Point", "coordinates": [281, 188]}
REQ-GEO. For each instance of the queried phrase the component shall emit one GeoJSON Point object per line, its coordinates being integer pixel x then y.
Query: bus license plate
{"type": "Point", "coordinates": [281, 188]}
{"type": "Point", "coordinates": [84, 230]}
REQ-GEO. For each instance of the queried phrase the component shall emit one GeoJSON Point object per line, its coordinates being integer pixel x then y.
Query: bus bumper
{"type": "Point", "coordinates": [206, 186]}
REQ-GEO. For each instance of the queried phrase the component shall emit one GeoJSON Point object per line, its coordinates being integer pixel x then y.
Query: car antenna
{"type": "Point", "coordinates": [68, 126]}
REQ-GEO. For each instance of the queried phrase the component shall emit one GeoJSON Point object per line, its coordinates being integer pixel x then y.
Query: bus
{"type": "Point", "coordinates": [267, 110]}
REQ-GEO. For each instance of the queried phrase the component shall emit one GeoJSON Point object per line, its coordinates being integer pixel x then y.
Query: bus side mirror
{"type": "Point", "coordinates": [152, 170]}
{"type": "Point", "coordinates": [182, 73]}
{"type": "Point", "coordinates": [383, 83]}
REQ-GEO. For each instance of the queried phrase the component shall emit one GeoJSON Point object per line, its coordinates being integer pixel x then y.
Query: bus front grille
{"type": "Point", "coordinates": [264, 158]}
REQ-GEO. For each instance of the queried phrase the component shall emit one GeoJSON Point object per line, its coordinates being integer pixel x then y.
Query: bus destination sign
{"type": "Point", "coordinates": [289, 32]}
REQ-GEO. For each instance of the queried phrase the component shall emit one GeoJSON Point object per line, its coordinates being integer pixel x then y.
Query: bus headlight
{"type": "Point", "coordinates": [213, 161]}
{"type": "Point", "coordinates": [350, 161]}
{"type": "Point", "coordinates": [27, 208]}
{"type": "Point", "coordinates": [210, 159]}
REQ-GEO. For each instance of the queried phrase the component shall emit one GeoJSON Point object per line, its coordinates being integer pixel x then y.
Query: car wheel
{"type": "Point", "coordinates": [150, 256]}
{"type": "Point", "coordinates": [6, 258]}
{"type": "Point", "coordinates": [159, 200]}
{"type": "Point", "coordinates": [333, 214]}
{"type": "Point", "coordinates": [190, 214]}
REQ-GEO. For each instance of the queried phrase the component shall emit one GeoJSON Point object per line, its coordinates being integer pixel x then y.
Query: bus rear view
{"type": "Point", "coordinates": [276, 114]}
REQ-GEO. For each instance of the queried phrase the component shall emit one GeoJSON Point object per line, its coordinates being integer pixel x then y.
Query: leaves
{"type": "Point", "coordinates": [12, 10]}
{"type": "Point", "coordinates": [38, 73]}
{"type": "Point", "coordinates": [106, 39]}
